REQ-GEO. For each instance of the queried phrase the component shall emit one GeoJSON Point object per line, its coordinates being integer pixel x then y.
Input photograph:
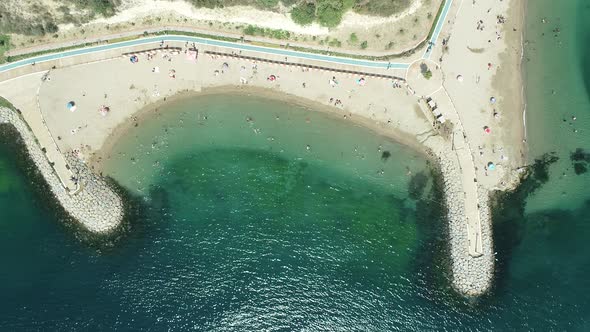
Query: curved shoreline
{"type": "Point", "coordinates": [148, 111]}
{"type": "Point", "coordinates": [389, 107]}
{"type": "Point", "coordinates": [471, 276]}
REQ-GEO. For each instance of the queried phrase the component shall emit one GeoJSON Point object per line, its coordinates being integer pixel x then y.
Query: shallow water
{"type": "Point", "coordinates": [236, 231]}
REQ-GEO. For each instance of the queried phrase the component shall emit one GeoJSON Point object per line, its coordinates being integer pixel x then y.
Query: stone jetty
{"type": "Point", "coordinates": [471, 273]}
{"type": "Point", "coordinates": [94, 205]}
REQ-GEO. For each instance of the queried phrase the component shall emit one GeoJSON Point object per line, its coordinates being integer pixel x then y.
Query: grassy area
{"type": "Point", "coordinates": [438, 14]}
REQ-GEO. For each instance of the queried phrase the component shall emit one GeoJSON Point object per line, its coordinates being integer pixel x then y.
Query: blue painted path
{"type": "Point", "coordinates": [232, 45]}
{"type": "Point", "coordinates": [437, 29]}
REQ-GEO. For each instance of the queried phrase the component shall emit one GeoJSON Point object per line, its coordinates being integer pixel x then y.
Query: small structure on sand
{"type": "Point", "coordinates": [434, 109]}
{"type": "Point", "coordinates": [71, 106]}
{"type": "Point", "coordinates": [104, 110]}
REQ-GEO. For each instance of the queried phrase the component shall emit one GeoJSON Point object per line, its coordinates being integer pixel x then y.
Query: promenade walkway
{"type": "Point", "coordinates": [235, 46]}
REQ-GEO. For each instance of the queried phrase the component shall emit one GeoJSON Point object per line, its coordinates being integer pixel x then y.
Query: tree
{"type": "Point", "coordinates": [329, 12]}
{"type": "Point", "coordinates": [425, 71]}
{"type": "Point", "coordinates": [304, 13]}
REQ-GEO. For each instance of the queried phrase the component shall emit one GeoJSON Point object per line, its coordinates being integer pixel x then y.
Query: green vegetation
{"type": "Point", "coordinates": [425, 71]}
{"type": "Point", "coordinates": [329, 12]}
{"type": "Point", "coordinates": [216, 37]}
{"type": "Point", "coordinates": [303, 13]}
{"type": "Point", "coordinates": [4, 46]}
{"type": "Point", "coordinates": [353, 38]}
{"type": "Point", "coordinates": [36, 19]}
{"type": "Point", "coordinates": [252, 30]}
{"type": "Point", "coordinates": [102, 7]}
{"type": "Point", "coordinates": [364, 45]}
{"type": "Point", "coordinates": [33, 18]}
{"type": "Point", "coordinates": [380, 7]}
{"type": "Point", "coordinates": [335, 43]}
{"type": "Point", "coordinates": [267, 3]}
{"type": "Point", "coordinates": [438, 13]}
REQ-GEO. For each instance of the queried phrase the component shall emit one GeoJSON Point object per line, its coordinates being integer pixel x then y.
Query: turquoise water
{"type": "Point", "coordinates": [237, 226]}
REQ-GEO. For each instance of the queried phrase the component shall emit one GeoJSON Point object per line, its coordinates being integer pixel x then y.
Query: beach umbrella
{"type": "Point", "coordinates": [493, 100]}
{"type": "Point", "coordinates": [134, 59]}
{"type": "Point", "coordinates": [71, 106]}
{"type": "Point", "coordinates": [460, 78]}
{"type": "Point", "coordinates": [225, 66]}
{"type": "Point", "coordinates": [272, 78]}
{"type": "Point", "coordinates": [487, 130]}
{"type": "Point", "coordinates": [104, 110]}
{"type": "Point", "coordinates": [491, 166]}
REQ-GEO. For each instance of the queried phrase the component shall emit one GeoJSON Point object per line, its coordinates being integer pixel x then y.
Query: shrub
{"type": "Point", "coordinates": [380, 7]}
{"type": "Point", "coordinates": [329, 12]}
{"type": "Point", "coordinates": [303, 14]}
{"type": "Point", "coordinates": [364, 44]}
{"type": "Point", "coordinates": [335, 43]}
{"type": "Point", "coordinates": [353, 38]}
{"type": "Point", "coordinates": [425, 71]}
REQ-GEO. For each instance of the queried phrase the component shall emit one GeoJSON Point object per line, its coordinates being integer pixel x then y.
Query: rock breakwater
{"type": "Point", "coordinates": [96, 206]}
{"type": "Point", "coordinates": [471, 275]}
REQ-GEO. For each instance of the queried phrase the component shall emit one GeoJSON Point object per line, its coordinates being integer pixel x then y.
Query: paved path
{"type": "Point", "coordinates": [236, 46]}
{"type": "Point", "coordinates": [437, 29]}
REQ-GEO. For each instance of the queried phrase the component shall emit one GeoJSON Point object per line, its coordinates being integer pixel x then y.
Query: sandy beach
{"type": "Point", "coordinates": [484, 50]}
{"type": "Point", "coordinates": [127, 87]}
{"type": "Point", "coordinates": [151, 111]}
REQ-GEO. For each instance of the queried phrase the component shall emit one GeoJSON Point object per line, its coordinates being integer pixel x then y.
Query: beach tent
{"type": "Point", "coordinates": [191, 55]}
{"type": "Point", "coordinates": [104, 110]}
{"type": "Point", "coordinates": [491, 166]}
{"type": "Point", "coordinates": [71, 106]}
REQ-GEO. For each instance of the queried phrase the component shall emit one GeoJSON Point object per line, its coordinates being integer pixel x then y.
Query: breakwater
{"type": "Point", "coordinates": [95, 205]}
{"type": "Point", "coordinates": [471, 274]}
